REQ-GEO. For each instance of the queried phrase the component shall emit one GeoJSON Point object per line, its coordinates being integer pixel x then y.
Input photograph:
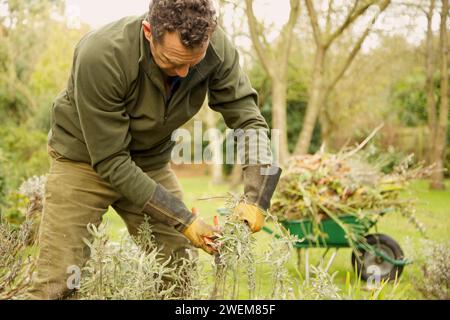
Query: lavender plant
{"type": "Point", "coordinates": [112, 268]}
{"type": "Point", "coordinates": [34, 191]}
{"type": "Point", "coordinates": [433, 261]}
{"type": "Point", "coordinates": [236, 253]}
{"type": "Point", "coordinates": [134, 269]}
{"type": "Point", "coordinates": [277, 256]}
{"type": "Point", "coordinates": [16, 263]}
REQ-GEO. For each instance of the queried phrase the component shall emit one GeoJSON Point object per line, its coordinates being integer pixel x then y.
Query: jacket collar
{"type": "Point", "coordinates": [147, 63]}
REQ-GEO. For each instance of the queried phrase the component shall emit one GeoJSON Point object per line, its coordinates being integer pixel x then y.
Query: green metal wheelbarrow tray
{"type": "Point", "coordinates": [373, 254]}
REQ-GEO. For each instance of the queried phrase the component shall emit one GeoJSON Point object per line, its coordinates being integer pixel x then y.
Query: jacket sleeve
{"type": "Point", "coordinates": [231, 94]}
{"type": "Point", "coordinates": [99, 86]}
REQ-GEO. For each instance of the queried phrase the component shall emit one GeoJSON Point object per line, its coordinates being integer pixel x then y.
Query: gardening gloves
{"type": "Point", "coordinates": [260, 183]}
{"type": "Point", "coordinates": [252, 215]}
{"type": "Point", "coordinates": [201, 235]}
{"type": "Point", "coordinates": [166, 208]}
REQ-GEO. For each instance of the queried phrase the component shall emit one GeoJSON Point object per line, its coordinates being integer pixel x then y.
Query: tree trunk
{"type": "Point", "coordinates": [315, 102]}
{"type": "Point", "coordinates": [325, 130]}
{"type": "Point", "coordinates": [216, 148]}
{"type": "Point", "coordinates": [441, 130]}
{"type": "Point", "coordinates": [431, 101]}
{"type": "Point", "coordinates": [327, 126]}
{"type": "Point", "coordinates": [279, 95]}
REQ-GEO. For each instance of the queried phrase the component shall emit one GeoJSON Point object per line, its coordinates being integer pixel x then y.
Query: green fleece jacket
{"type": "Point", "coordinates": [113, 112]}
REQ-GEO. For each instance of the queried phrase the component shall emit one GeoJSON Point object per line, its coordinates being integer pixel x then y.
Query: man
{"type": "Point", "coordinates": [134, 82]}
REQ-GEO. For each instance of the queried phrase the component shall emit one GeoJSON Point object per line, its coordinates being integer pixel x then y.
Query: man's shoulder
{"type": "Point", "coordinates": [221, 44]}
{"type": "Point", "coordinates": [118, 38]}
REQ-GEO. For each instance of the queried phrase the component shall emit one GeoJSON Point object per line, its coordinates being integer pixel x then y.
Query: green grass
{"type": "Point", "coordinates": [433, 211]}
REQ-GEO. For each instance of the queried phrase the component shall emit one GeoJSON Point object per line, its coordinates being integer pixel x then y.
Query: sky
{"type": "Point", "coordinates": [99, 12]}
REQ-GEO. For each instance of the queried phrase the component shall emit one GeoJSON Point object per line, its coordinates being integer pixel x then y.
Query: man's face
{"type": "Point", "coordinates": [171, 56]}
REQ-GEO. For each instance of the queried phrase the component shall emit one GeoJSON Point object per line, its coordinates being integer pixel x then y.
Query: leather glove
{"type": "Point", "coordinates": [201, 235]}
{"type": "Point", "coordinates": [252, 215]}
{"type": "Point", "coordinates": [168, 209]}
{"type": "Point", "coordinates": [260, 182]}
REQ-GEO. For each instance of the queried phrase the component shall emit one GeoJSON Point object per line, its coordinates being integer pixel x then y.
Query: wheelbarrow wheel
{"type": "Point", "coordinates": [369, 264]}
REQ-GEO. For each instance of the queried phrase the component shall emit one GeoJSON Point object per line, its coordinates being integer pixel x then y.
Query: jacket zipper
{"type": "Point", "coordinates": [168, 99]}
{"type": "Point", "coordinates": [165, 113]}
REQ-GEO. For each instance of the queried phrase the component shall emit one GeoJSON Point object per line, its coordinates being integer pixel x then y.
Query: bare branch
{"type": "Point", "coordinates": [287, 34]}
{"type": "Point", "coordinates": [314, 22]}
{"type": "Point", "coordinates": [256, 36]}
{"type": "Point", "coordinates": [358, 45]}
{"type": "Point", "coordinates": [353, 14]}
{"type": "Point", "coordinates": [329, 13]}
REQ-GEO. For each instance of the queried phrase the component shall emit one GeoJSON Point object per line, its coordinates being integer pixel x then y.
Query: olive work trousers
{"type": "Point", "coordinates": [75, 196]}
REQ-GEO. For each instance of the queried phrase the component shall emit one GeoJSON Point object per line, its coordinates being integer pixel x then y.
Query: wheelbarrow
{"type": "Point", "coordinates": [373, 255]}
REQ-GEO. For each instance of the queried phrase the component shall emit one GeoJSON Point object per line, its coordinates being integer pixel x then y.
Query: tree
{"type": "Point", "coordinates": [23, 36]}
{"type": "Point", "coordinates": [429, 54]}
{"type": "Point", "coordinates": [320, 88]}
{"type": "Point", "coordinates": [440, 139]}
{"type": "Point", "coordinates": [275, 63]}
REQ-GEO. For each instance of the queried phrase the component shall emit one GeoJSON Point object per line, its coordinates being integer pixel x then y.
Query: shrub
{"type": "Point", "coordinates": [433, 260]}
{"type": "Point", "coordinates": [26, 204]}
{"type": "Point", "coordinates": [16, 263]}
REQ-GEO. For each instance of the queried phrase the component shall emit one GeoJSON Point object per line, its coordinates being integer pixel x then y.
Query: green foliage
{"type": "Point", "coordinates": [35, 60]}
{"type": "Point", "coordinates": [385, 160]}
{"type": "Point", "coordinates": [13, 210]}
{"type": "Point", "coordinates": [3, 186]}
{"type": "Point", "coordinates": [19, 145]}
{"type": "Point", "coordinates": [409, 100]}
{"type": "Point", "coordinates": [25, 27]}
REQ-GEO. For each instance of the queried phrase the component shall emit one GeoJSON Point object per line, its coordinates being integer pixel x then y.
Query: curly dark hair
{"type": "Point", "coordinates": [194, 20]}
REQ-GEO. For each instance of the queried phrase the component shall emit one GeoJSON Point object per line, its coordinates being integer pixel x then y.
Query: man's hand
{"type": "Point", "coordinates": [201, 235]}
{"type": "Point", "coordinates": [251, 214]}
{"type": "Point", "coordinates": [259, 185]}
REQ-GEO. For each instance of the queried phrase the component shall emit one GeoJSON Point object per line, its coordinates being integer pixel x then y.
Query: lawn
{"type": "Point", "coordinates": [433, 211]}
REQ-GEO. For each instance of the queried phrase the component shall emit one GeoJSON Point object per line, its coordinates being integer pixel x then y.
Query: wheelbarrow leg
{"type": "Point", "coordinates": [322, 260]}
{"type": "Point", "coordinates": [299, 258]}
{"type": "Point", "coordinates": [307, 266]}
{"type": "Point", "coordinates": [330, 262]}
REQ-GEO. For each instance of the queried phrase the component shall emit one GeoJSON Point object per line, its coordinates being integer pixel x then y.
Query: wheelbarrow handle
{"type": "Point", "coordinates": [268, 230]}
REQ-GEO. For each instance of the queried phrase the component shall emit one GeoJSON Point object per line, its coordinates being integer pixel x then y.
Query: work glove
{"type": "Point", "coordinates": [168, 209]}
{"type": "Point", "coordinates": [251, 214]}
{"type": "Point", "coordinates": [260, 183]}
{"type": "Point", "coordinates": [202, 235]}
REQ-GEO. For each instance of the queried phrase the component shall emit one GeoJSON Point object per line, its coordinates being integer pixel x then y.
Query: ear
{"type": "Point", "coordinates": [147, 30]}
